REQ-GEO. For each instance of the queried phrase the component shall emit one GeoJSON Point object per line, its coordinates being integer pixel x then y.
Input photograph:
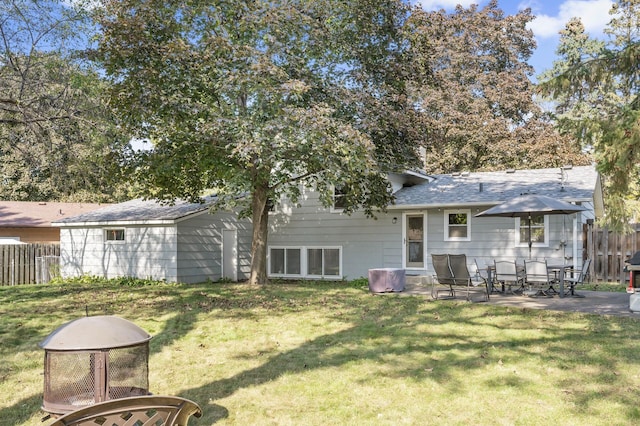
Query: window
{"type": "Point", "coordinates": [457, 225]}
{"type": "Point", "coordinates": [339, 199]}
{"type": "Point", "coordinates": [114, 234]}
{"type": "Point", "coordinates": [539, 234]}
{"type": "Point", "coordinates": [285, 261]}
{"type": "Point", "coordinates": [323, 262]}
{"type": "Point", "coordinates": [305, 261]}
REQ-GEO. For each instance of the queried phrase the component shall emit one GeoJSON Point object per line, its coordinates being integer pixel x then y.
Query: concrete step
{"type": "Point", "coordinates": [419, 279]}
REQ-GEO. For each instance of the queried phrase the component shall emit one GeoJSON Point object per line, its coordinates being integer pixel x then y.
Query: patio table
{"type": "Point", "coordinates": [560, 268]}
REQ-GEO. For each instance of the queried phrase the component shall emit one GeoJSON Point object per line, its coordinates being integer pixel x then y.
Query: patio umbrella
{"type": "Point", "coordinates": [529, 205]}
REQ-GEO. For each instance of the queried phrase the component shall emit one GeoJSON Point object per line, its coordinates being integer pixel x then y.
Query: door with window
{"type": "Point", "coordinates": [414, 240]}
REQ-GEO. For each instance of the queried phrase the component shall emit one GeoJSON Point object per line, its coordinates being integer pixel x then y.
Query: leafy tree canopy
{"type": "Point", "coordinates": [595, 85]}
{"type": "Point", "coordinates": [58, 140]}
{"type": "Point", "coordinates": [471, 84]}
{"type": "Point", "coordinates": [261, 98]}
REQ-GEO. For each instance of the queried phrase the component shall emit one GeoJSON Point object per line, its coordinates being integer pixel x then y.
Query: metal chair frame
{"type": "Point", "coordinates": [537, 275]}
{"type": "Point", "coordinates": [506, 273]}
{"type": "Point", "coordinates": [575, 277]}
{"type": "Point", "coordinates": [452, 271]}
{"type": "Point", "coordinates": [142, 410]}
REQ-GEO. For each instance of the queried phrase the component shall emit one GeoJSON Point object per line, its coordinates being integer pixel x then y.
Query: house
{"type": "Point", "coordinates": [30, 222]}
{"type": "Point", "coordinates": [146, 239]}
{"type": "Point", "coordinates": [432, 214]}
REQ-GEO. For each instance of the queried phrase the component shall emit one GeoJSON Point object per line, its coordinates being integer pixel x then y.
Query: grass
{"type": "Point", "coordinates": [331, 353]}
{"type": "Point", "coordinates": [617, 287]}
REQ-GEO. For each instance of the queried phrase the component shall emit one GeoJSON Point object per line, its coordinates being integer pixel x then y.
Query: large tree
{"type": "Point", "coordinates": [573, 109]}
{"type": "Point", "coordinates": [597, 90]}
{"type": "Point", "coordinates": [472, 84]}
{"type": "Point", "coordinates": [58, 140]}
{"type": "Point", "coordinates": [256, 98]}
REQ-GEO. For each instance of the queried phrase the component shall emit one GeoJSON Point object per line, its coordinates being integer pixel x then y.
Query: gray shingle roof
{"type": "Point", "coordinates": [477, 188]}
{"type": "Point", "coordinates": [579, 184]}
{"type": "Point", "coordinates": [140, 210]}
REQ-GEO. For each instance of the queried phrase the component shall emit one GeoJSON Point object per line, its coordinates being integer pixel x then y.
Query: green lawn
{"type": "Point", "coordinates": [333, 354]}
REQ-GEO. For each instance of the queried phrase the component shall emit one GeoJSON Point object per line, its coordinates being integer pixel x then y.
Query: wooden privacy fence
{"type": "Point", "coordinates": [608, 251]}
{"type": "Point", "coordinates": [28, 263]}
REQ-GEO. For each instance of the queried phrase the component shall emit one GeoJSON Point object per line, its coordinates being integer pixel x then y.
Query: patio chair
{"type": "Point", "coordinates": [575, 277]}
{"type": "Point", "coordinates": [452, 272]}
{"type": "Point", "coordinates": [444, 276]}
{"type": "Point", "coordinates": [537, 276]}
{"type": "Point", "coordinates": [508, 275]}
{"type": "Point", "coordinates": [136, 410]}
{"type": "Point", "coordinates": [483, 274]}
{"type": "Point", "coordinates": [462, 277]}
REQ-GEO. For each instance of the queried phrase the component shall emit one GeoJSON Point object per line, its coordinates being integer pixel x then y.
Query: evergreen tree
{"type": "Point", "coordinates": [597, 91]}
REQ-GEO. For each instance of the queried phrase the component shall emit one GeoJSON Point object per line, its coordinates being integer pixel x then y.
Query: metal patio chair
{"type": "Point", "coordinates": [484, 274]}
{"type": "Point", "coordinates": [136, 410]}
{"type": "Point", "coordinates": [452, 272]}
{"type": "Point", "coordinates": [444, 276]}
{"type": "Point", "coordinates": [508, 275]}
{"type": "Point", "coordinates": [538, 279]}
{"type": "Point", "coordinates": [462, 277]}
{"type": "Point", "coordinates": [576, 277]}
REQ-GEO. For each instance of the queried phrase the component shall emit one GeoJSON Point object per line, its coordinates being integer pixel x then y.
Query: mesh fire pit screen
{"type": "Point", "coordinates": [94, 359]}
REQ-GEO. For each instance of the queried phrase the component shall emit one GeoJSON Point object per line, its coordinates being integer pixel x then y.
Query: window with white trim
{"type": "Point", "coordinates": [339, 199]}
{"type": "Point", "coordinates": [539, 233]}
{"type": "Point", "coordinates": [284, 261]}
{"type": "Point", "coordinates": [114, 235]}
{"type": "Point", "coordinates": [311, 262]}
{"type": "Point", "coordinates": [323, 262]}
{"type": "Point", "coordinates": [456, 225]}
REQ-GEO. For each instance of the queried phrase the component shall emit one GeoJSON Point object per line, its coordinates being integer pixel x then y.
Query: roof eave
{"type": "Point", "coordinates": [113, 223]}
{"type": "Point", "coordinates": [470, 204]}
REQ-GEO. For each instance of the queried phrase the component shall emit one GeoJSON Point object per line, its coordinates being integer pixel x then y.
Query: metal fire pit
{"type": "Point", "coordinates": [94, 359]}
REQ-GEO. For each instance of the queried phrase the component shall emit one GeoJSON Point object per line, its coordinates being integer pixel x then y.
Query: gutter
{"type": "Point", "coordinates": [465, 205]}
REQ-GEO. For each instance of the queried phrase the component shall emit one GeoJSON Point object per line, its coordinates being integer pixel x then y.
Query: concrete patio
{"type": "Point", "coordinates": [594, 302]}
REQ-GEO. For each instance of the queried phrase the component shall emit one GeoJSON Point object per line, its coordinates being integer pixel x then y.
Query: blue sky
{"type": "Point", "coordinates": [551, 17]}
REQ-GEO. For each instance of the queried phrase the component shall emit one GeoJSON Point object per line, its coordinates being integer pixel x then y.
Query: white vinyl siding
{"type": "Point", "coordinates": [188, 251]}
{"type": "Point", "coordinates": [148, 252]}
{"type": "Point", "coordinates": [364, 243]}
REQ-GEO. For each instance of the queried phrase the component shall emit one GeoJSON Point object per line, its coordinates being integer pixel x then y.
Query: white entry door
{"type": "Point", "coordinates": [230, 254]}
{"type": "Point", "coordinates": [414, 240]}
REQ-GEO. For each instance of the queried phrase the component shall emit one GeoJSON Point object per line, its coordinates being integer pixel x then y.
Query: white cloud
{"type": "Point", "coordinates": [593, 13]}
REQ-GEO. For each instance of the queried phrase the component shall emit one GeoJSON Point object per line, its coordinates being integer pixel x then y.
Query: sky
{"type": "Point", "coordinates": [551, 17]}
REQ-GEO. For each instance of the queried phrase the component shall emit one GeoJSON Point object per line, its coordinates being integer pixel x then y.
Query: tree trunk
{"type": "Point", "coordinates": [260, 220]}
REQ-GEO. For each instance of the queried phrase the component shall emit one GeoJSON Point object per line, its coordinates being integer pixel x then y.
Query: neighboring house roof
{"type": "Point", "coordinates": [139, 211]}
{"type": "Point", "coordinates": [577, 184]}
{"type": "Point", "coordinates": [28, 214]}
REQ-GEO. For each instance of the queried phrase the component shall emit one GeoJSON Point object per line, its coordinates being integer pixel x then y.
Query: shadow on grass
{"type": "Point", "coordinates": [380, 329]}
{"type": "Point", "coordinates": [407, 334]}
